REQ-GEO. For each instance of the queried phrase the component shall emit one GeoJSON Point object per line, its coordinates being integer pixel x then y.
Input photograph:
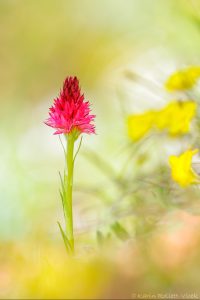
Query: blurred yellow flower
{"type": "Point", "coordinates": [181, 168]}
{"type": "Point", "coordinates": [62, 277]}
{"type": "Point", "coordinates": [183, 80]}
{"type": "Point", "coordinates": [139, 125]}
{"type": "Point", "coordinates": [176, 117]}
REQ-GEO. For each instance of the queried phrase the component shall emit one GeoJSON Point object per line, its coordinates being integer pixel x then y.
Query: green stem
{"type": "Point", "coordinates": [69, 185]}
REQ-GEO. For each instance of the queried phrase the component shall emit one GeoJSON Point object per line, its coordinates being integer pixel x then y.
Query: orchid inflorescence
{"type": "Point", "coordinates": [70, 115]}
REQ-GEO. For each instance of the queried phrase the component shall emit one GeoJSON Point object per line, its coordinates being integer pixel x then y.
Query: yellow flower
{"type": "Point", "coordinates": [176, 117]}
{"type": "Point", "coordinates": [139, 125]}
{"type": "Point", "coordinates": [181, 168]}
{"type": "Point", "coordinates": [183, 80]}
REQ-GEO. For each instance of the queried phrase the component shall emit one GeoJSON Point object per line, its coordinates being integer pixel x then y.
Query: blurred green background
{"type": "Point", "coordinates": [99, 41]}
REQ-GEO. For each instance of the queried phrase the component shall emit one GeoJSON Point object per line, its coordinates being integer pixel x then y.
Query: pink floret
{"type": "Point", "coordinates": [69, 110]}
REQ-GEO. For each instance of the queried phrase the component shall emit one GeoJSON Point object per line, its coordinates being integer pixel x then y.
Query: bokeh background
{"type": "Point", "coordinates": [107, 44]}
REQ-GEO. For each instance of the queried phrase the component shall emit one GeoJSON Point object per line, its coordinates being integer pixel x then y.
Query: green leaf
{"type": "Point", "coordinates": [63, 203]}
{"type": "Point", "coordinates": [79, 146]}
{"type": "Point", "coordinates": [65, 239]}
{"type": "Point", "coordinates": [61, 180]}
{"type": "Point", "coordinates": [62, 145]}
{"type": "Point", "coordinates": [100, 237]}
{"type": "Point", "coordinates": [120, 231]}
